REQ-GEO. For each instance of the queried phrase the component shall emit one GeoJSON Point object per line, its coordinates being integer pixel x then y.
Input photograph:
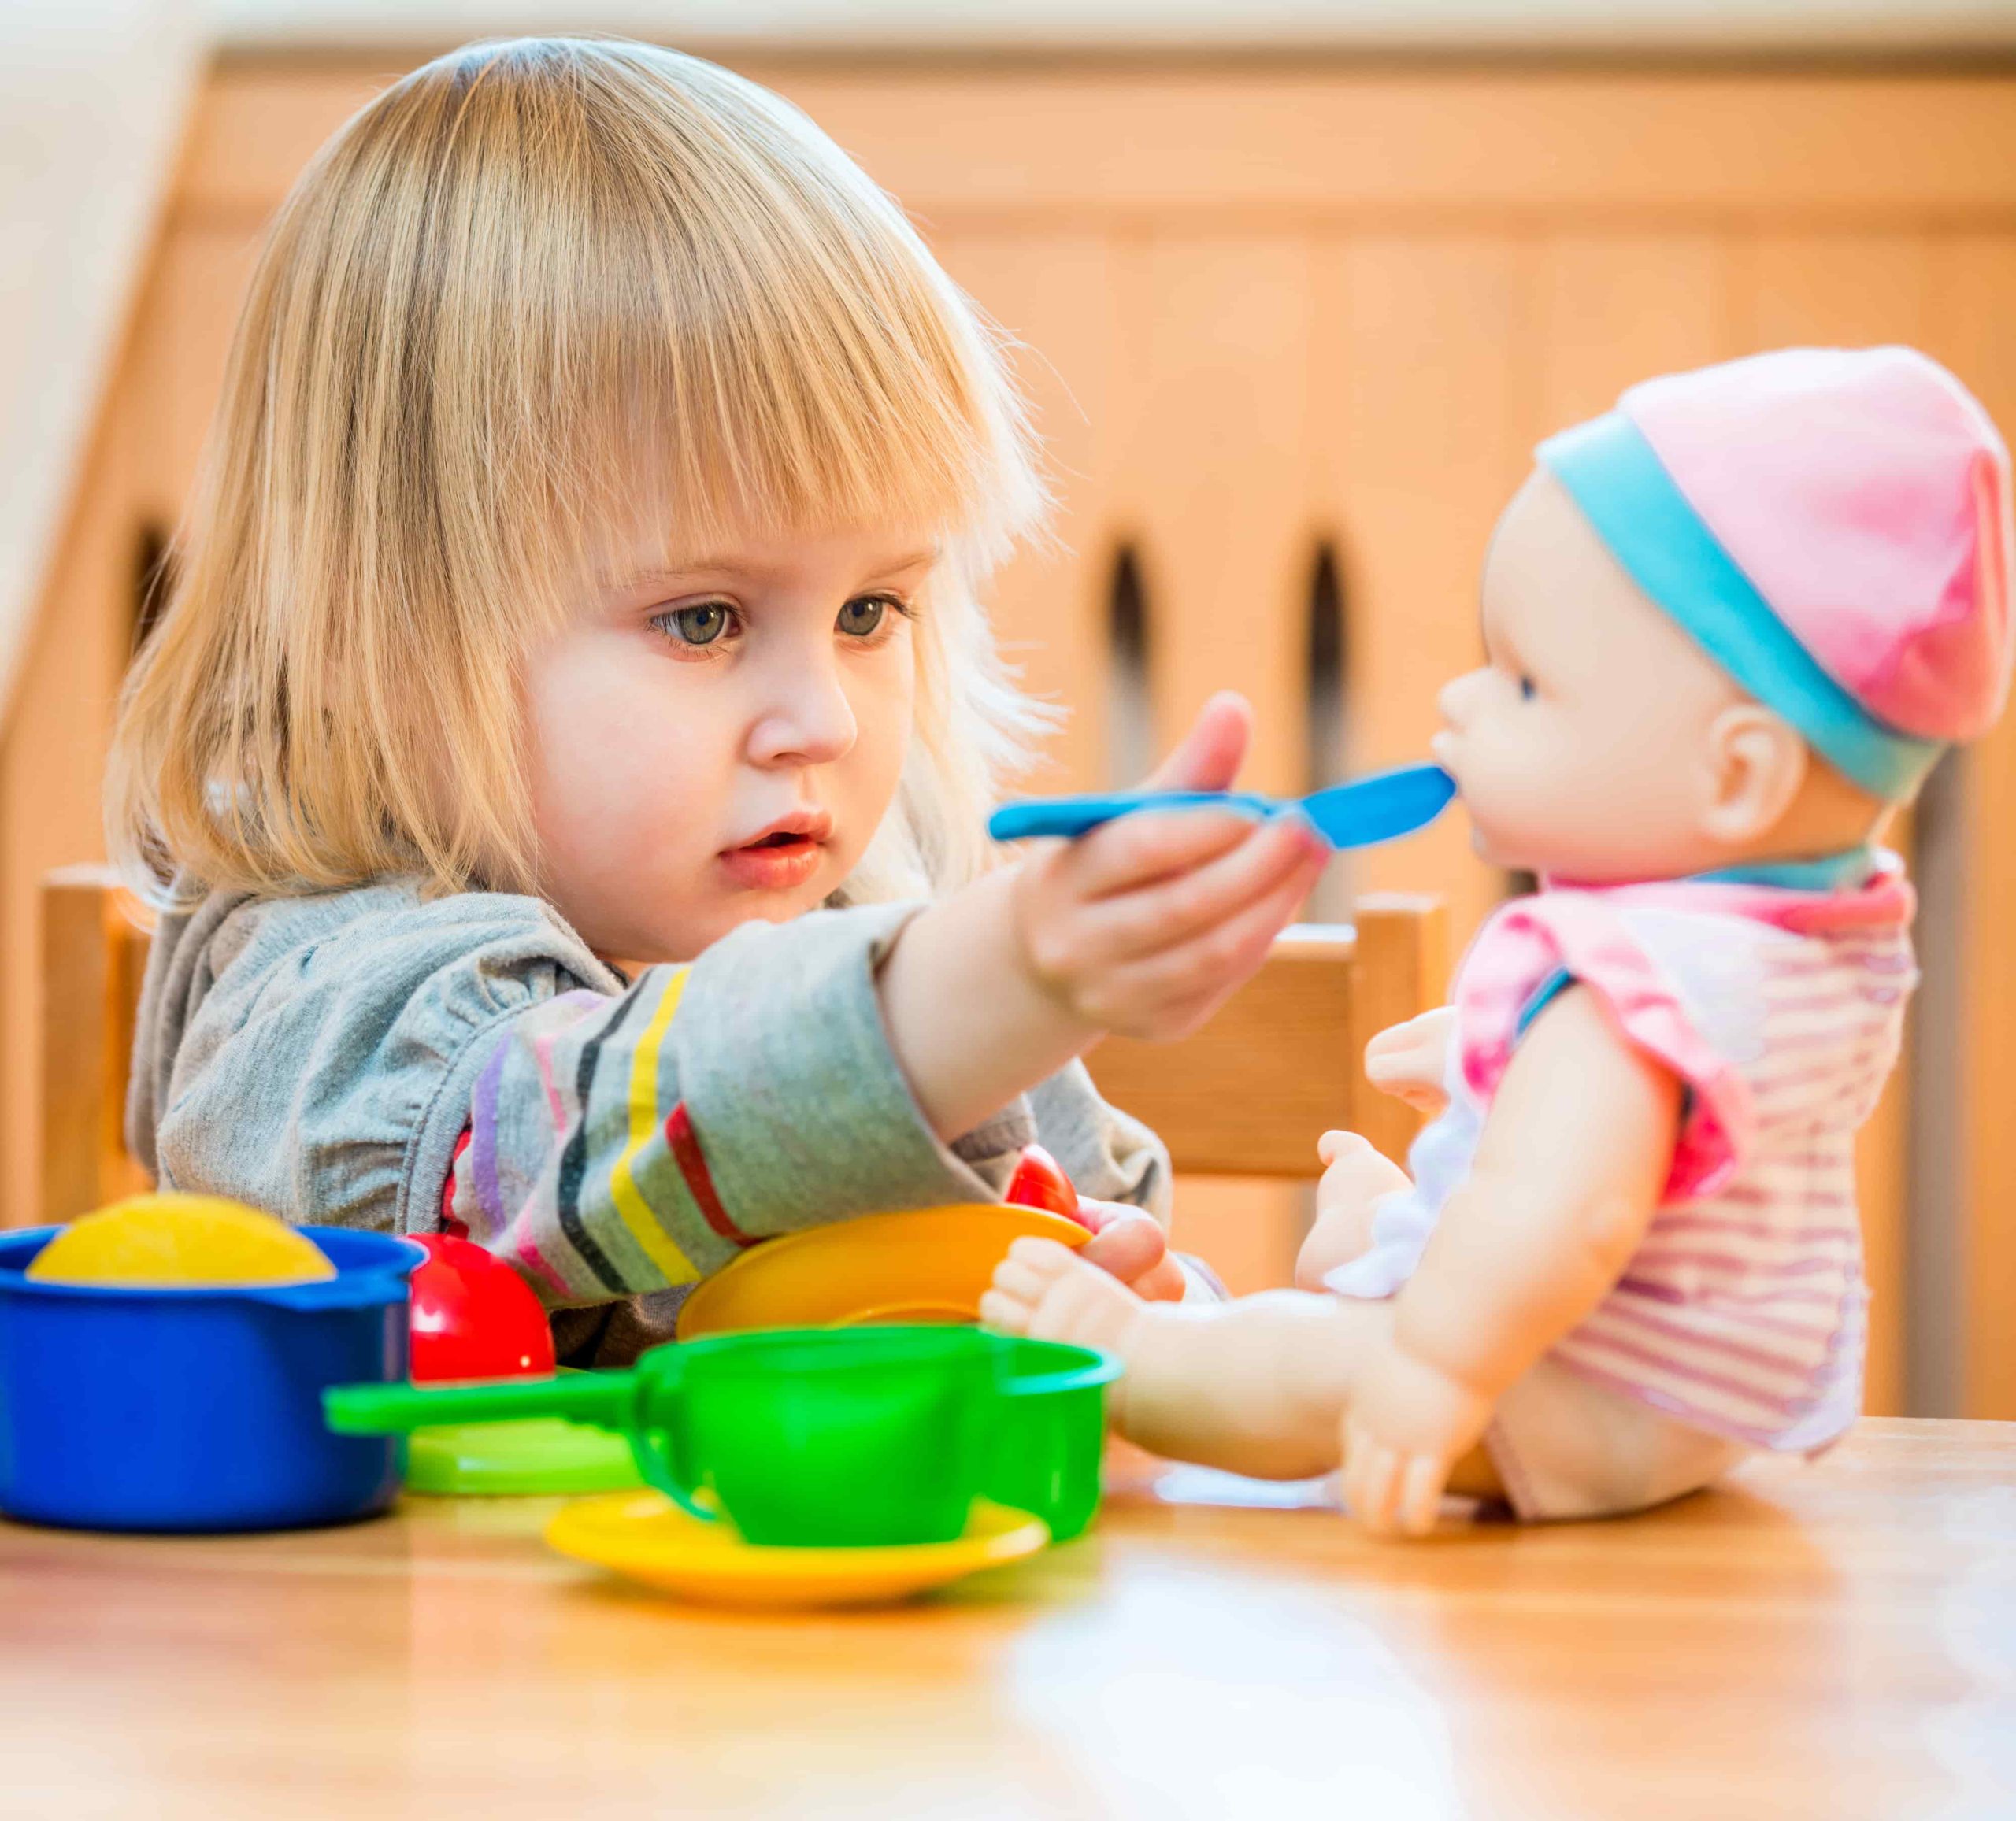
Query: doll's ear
{"type": "Point", "coordinates": [1756, 763]}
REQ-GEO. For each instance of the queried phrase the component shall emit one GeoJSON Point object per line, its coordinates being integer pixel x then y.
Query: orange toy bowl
{"type": "Point", "coordinates": [924, 1264]}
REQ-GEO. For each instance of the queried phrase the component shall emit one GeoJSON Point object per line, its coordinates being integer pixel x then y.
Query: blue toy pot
{"type": "Point", "coordinates": [197, 1410]}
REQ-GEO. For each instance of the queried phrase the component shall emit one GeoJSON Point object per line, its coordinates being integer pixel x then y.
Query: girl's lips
{"type": "Point", "coordinates": [775, 862]}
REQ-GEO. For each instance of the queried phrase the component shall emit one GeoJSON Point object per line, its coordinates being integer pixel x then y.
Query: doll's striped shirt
{"type": "Point", "coordinates": [1743, 1310]}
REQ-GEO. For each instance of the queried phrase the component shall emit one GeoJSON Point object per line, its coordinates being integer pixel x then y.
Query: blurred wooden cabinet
{"type": "Point", "coordinates": [1290, 331]}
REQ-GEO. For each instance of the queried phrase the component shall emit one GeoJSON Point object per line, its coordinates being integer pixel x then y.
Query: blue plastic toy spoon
{"type": "Point", "coordinates": [1359, 814]}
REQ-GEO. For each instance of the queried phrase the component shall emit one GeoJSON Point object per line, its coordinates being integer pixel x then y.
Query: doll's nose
{"type": "Point", "coordinates": [1458, 696]}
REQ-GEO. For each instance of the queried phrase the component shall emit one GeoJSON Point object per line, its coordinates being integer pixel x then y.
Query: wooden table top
{"type": "Point", "coordinates": [1833, 1641]}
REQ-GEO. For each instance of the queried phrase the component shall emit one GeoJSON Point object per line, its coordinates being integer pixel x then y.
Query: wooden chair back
{"type": "Point", "coordinates": [1283, 1060]}
{"type": "Point", "coordinates": [1247, 1096]}
{"type": "Point", "coordinates": [94, 936]}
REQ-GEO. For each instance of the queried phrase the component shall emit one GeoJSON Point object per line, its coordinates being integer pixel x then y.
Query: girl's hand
{"type": "Point", "coordinates": [1409, 1061]}
{"type": "Point", "coordinates": [1144, 926]}
{"type": "Point", "coordinates": [1129, 1243]}
{"type": "Point", "coordinates": [1141, 926]}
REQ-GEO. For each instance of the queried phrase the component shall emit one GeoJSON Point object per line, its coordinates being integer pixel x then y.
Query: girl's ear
{"type": "Point", "coordinates": [1756, 763]}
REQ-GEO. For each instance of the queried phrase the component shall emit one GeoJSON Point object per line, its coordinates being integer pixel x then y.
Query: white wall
{"type": "Point", "coordinates": [92, 96]}
{"type": "Point", "coordinates": [1826, 24]}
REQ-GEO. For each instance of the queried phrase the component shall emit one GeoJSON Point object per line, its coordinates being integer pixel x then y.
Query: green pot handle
{"type": "Point", "coordinates": [601, 1399]}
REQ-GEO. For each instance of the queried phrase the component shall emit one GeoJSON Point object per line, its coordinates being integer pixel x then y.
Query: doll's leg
{"type": "Point", "coordinates": [1565, 1448]}
{"type": "Point", "coordinates": [1257, 1386]}
{"type": "Point", "coordinates": [1355, 1177]}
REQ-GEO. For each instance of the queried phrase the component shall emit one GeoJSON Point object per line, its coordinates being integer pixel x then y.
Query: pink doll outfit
{"type": "Point", "coordinates": [1741, 1319]}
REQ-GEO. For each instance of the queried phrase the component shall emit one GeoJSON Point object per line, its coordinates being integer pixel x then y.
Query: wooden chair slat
{"type": "Point", "coordinates": [1282, 1061]}
{"type": "Point", "coordinates": [95, 938]}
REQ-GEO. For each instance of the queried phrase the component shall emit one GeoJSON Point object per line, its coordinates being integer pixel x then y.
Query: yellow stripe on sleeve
{"type": "Point", "coordinates": [644, 1225]}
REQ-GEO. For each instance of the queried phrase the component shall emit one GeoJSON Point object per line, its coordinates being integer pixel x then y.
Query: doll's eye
{"type": "Point", "coordinates": [1527, 692]}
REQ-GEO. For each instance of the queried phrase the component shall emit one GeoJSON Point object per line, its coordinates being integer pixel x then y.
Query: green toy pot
{"type": "Point", "coordinates": [1051, 1433]}
{"type": "Point", "coordinates": [823, 1437]}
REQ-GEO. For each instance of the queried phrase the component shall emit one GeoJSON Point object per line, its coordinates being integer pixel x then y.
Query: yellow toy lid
{"type": "Point", "coordinates": [923, 1264]}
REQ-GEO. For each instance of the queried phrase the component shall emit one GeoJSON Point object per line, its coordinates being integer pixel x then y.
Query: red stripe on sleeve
{"type": "Point", "coordinates": [686, 1153]}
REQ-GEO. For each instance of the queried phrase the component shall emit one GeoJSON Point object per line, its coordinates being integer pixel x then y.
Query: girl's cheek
{"type": "Point", "coordinates": [890, 690]}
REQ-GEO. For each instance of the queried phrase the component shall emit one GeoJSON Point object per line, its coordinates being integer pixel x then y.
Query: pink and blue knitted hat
{"type": "Point", "coordinates": [1832, 525]}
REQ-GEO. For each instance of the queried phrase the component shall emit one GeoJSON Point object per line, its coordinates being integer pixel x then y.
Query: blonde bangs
{"type": "Point", "coordinates": [539, 303]}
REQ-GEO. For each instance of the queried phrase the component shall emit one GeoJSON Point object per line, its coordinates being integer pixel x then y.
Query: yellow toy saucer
{"type": "Point", "coordinates": [647, 1536]}
{"type": "Point", "coordinates": [924, 1264]}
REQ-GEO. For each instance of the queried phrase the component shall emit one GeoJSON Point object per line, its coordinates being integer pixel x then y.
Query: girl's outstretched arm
{"type": "Point", "coordinates": [1568, 1172]}
{"type": "Point", "coordinates": [626, 1143]}
{"type": "Point", "coordinates": [1142, 927]}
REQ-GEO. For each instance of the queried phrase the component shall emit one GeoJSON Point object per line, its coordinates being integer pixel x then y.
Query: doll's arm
{"type": "Point", "coordinates": [1356, 1178]}
{"type": "Point", "coordinates": [1409, 1061]}
{"type": "Point", "coordinates": [1568, 1173]}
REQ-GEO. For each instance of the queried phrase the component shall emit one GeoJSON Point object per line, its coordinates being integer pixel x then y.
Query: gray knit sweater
{"type": "Point", "coordinates": [327, 1058]}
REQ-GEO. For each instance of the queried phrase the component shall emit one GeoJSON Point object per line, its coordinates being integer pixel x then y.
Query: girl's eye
{"type": "Point", "coordinates": [700, 625]}
{"type": "Point", "coordinates": [1527, 692]}
{"type": "Point", "coordinates": [863, 617]}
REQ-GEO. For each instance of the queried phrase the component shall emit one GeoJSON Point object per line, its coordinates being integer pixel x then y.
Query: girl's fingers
{"type": "Point", "coordinates": [1165, 917]}
{"type": "Point", "coordinates": [1208, 757]}
{"type": "Point", "coordinates": [1128, 1247]}
{"type": "Point", "coordinates": [1134, 851]}
{"type": "Point", "coordinates": [1162, 1282]}
{"type": "Point", "coordinates": [1096, 1216]}
{"type": "Point", "coordinates": [1184, 983]}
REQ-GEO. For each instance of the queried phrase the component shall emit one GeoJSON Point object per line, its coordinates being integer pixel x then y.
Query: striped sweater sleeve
{"type": "Point", "coordinates": [631, 1142]}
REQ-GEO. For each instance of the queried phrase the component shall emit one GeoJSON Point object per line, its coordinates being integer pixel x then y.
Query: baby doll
{"type": "Point", "coordinates": [1729, 627]}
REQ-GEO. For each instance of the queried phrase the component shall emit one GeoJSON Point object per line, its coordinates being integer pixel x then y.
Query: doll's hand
{"type": "Point", "coordinates": [1143, 926]}
{"type": "Point", "coordinates": [1408, 1424]}
{"type": "Point", "coordinates": [1408, 1060]}
{"type": "Point", "coordinates": [1130, 1244]}
{"type": "Point", "coordinates": [1355, 1177]}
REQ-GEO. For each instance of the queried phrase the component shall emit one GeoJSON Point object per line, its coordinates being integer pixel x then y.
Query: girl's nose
{"type": "Point", "coordinates": [808, 721]}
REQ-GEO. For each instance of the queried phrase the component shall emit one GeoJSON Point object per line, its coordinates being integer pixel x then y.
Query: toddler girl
{"type": "Point", "coordinates": [1727, 627]}
{"type": "Point", "coordinates": [566, 759]}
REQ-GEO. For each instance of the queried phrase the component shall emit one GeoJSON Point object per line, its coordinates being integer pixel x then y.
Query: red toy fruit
{"type": "Point", "coordinates": [1040, 1181]}
{"type": "Point", "coordinates": [474, 1317]}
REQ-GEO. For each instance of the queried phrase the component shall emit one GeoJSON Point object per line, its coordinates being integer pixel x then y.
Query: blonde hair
{"type": "Point", "coordinates": [525, 280]}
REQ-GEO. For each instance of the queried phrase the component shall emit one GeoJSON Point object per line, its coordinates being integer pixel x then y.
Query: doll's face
{"type": "Point", "coordinates": [1599, 742]}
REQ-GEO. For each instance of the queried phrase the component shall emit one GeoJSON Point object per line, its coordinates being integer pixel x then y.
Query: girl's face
{"type": "Point", "coordinates": [720, 742]}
